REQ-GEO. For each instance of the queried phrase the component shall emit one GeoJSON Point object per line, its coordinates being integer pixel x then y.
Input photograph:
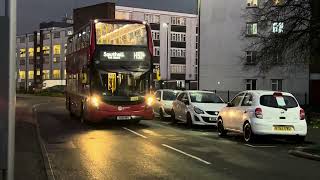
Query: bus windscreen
{"type": "Point", "coordinates": [121, 34]}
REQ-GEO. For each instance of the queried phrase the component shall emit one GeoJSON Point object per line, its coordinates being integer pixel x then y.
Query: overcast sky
{"type": "Point", "coordinates": [31, 12]}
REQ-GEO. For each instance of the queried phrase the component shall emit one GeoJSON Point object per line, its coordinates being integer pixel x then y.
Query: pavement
{"type": "Point", "coordinates": [64, 148]}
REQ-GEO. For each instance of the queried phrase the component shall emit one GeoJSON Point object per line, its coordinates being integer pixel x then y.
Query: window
{"type": "Point", "coordinates": [22, 74]}
{"type": "Point", "coordinates": [31, 74]}
{"type": "Point", "coordinates": [252, 29]}
{"type": "Point", "coordinates": [56, 35]}
{"type": "Point", "coordinates": [251, 57]}
{"type": "Point", "coordinates": [56, 74]}
{"type": "Point", "coordinates": [236, 100]}
{"type": "Point", "coordinates": [31, 38]}
{"type": "Point", "coordinates": [46, 50]}
{"type": "Point", "coordinates": [252, 3]}
{"type": "Point", "coordinates": [158, 95]}
{"type": "Point", "coordinates": [155, 35]}
{"type": "Point", "coordinates": [22, 53]}
{"type": "Point", "coordinates": [178, 21]}
{"type": "Point", "coordinates": [178, 52]}
{"type": "Point", "coordinates": [151, 18]}
{"type": "Point", "coordinates": [46, 74]}
{"type": "Point", "coordinates": [156, 51]}
{"type": "Point", "coordinates": [276, 84]}
{"type": "Point", "coordinates": [169, 95]}
{"type": "Point", "coordinates": [46, 36]}
{"type": "Point", "coordinates": [22, 39]}
{"type": "Point", "coordinates": [22, 62]}
{"type": "Point", "coordinates": [123, 15]}
{"type": "Point", "coordinates": [272, 101]}
{"type": "Point", "coordinates": [278, 2]}
{"type": "Point", "coordinates": [247, 100]}
{"type": "Point", "coordinates": [56, 49]}
{"type": "Point", "coordinates": [178, 69]}
{"type": "Point", "coordinates": [277, 27]}
{"type": "Point", "coordinates": [178, 37]}
{"type": "Point", "coordinates": [251, 84]}
{"type": "Point", "coordinates": [56, 59]}
{"type": "Point", "coordinates": [180, 96]}
{"type": "Point", "coordinates": [121, 34]}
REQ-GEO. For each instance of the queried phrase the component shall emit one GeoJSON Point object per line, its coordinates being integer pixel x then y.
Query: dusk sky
{"type": "Point", "coordinates": [31, 12]}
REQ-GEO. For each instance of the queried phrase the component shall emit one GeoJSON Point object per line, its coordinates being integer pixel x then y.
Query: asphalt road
{"type": "Point", "coordinates": [159, 150]}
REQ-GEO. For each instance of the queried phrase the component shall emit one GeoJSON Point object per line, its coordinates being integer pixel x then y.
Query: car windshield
{"type": "Point", "coordinates": [205, 97]}
{"type": "Point", "coordinates": [170, 95]}
{"type": "Point", "coordinates": [278, 101]}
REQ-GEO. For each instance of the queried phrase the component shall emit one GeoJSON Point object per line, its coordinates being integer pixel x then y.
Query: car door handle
{"type": "Point", "coordinates": [245, 112]}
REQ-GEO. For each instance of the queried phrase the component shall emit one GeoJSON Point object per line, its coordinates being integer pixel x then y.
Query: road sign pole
{"type": "Point", "coordinates": [12, 6]}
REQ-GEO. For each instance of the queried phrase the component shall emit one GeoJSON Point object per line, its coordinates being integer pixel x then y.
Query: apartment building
{"type": "Point", "coordinates": [175, 44]}
{"type": "Point", "coordinates": [54, 45]}
{"type": "Point", "coordinates": [222, 55]}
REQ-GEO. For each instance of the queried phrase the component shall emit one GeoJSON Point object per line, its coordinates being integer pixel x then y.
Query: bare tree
{"type": "Point", "coordinates": [288, 32]}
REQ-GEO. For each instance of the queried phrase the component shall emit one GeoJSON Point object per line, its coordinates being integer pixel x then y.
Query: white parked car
{"type": "Point", "coordinates": [197, 107]}
{"type": "Point", "coordinates": [255, 113]}
{"type": "Point", "coordinates": [163, 104]}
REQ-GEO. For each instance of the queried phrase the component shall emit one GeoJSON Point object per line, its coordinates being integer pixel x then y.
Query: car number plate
{"type": "Point", "coordinates": [282, 128]}
{"type": "Point", "coordinates": [123, 117]}
{"type": "Point", "coordinates": [212, 119]}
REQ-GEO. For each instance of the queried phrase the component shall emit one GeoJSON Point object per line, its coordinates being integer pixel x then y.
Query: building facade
{"type": "Point", "coordinates": [54, 46]}
{"type": "Point", "coordinates": [175, 44]}
{"type": "Point", "coordinates": [222, 54]}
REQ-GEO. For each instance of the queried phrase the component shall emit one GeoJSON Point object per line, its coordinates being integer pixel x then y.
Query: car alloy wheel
{"type": "Point", "coordinates": [247, 133]}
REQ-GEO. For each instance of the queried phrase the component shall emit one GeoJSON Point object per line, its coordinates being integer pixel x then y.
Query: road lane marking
{"type": "Point", "coordinates": [138, 134]}
{"type": "Point", "coordinates": [249, 145]}
{"type": "Point", "coordinates": [187, 154]}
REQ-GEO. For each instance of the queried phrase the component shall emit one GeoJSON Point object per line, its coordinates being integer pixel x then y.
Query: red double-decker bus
{"type": "Point", "coordinates": [109, 71]}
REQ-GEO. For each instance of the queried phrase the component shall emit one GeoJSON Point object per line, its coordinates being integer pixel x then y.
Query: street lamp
{"type": "Point", "coordinates": [166, 26]}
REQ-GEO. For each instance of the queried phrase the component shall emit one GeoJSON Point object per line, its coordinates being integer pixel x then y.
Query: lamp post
{"type": "Point", "coordinates": [166, 26]}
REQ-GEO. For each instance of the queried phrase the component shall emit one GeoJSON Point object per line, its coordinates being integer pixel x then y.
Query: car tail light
{"type": "Point", "coordinates": [302, 114]}
{"type": "Point", "coordinates": [258, 113]}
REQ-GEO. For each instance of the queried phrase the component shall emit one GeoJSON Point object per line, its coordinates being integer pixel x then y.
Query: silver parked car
{"type": "Point", "coordinates": [163, 104]}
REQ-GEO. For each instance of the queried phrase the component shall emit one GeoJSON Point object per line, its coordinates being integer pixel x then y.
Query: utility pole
{"type": "Point", "coordinates": [8, 90]}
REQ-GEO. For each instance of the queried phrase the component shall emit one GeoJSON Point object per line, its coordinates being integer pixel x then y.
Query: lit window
{"type": "Point", "coordinates": [252, 3]}
{"type": "Point", "coordinates": [22, 53]}
{"type": "Point", "coordinates": [155, 35]}
{"type": "Point", "coordinates": [22, 74]}
{"type": "Point", "coordinates": [31, 51]}
{"type": "Point", "coordinates": [46, 50]}
{"type": "Point", "coordinates": [178, 69]}
{"type": "Point", "coordinates": [56, 59]}
{"type": "Point", "coordinates": [156, 51]}
{"type": "Point", "coordinates": [251, 57]}
{"type": "Point", "coordinates": [276, 84]}
{"type": "Point", "coordinates": [277, 27]}
{"type": "Point", "coordinates": [56, 49]}
{"type": "Point", "coordinates": [46, 74]}
{"type": "Point", "coordinates": [65, 74]}
{"type": "Point", "coordinates": [31, 74]}
{"type": "Point", "coordinates": [278, 2]}
{"type": "Point", "coordinates": [252, 28]}
{"type": "Point", "coordinates": [56, 74]}
{"type": "Point", "coordinates": [251, 84]}
{"type": "Point", "coordinates": [123, 15]}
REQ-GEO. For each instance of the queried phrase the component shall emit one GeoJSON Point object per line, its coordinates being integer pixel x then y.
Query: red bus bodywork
{"type": "Point", "coordinates": [79, 61]}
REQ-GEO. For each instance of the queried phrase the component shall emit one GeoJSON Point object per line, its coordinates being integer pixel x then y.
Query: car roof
{"type": "Point", "coordinates": [169, 90]}
{"type": "Point", "coordinates": [267, 92]}
{"type": "Point", "coordinates": [201, 91]}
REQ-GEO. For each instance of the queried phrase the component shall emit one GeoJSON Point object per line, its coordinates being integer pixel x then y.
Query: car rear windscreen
{"type": "Point", "coordinates": [271, 101]}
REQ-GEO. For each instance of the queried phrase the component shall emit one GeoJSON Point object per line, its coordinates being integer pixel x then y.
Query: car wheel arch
{"type": "Point", "coordinates": [244, 123]}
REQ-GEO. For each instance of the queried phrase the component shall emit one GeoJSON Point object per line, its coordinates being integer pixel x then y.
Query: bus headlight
{"type": "Point", "coordinates": [95, 101]}
{"type": "Point", "coordinates": [150, 100]}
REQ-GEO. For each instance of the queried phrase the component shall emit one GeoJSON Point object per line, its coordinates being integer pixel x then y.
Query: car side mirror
{"type": "Point", "coordinates": [229, 104]}
{"type": "Point", "coordinates": [158, 99]}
